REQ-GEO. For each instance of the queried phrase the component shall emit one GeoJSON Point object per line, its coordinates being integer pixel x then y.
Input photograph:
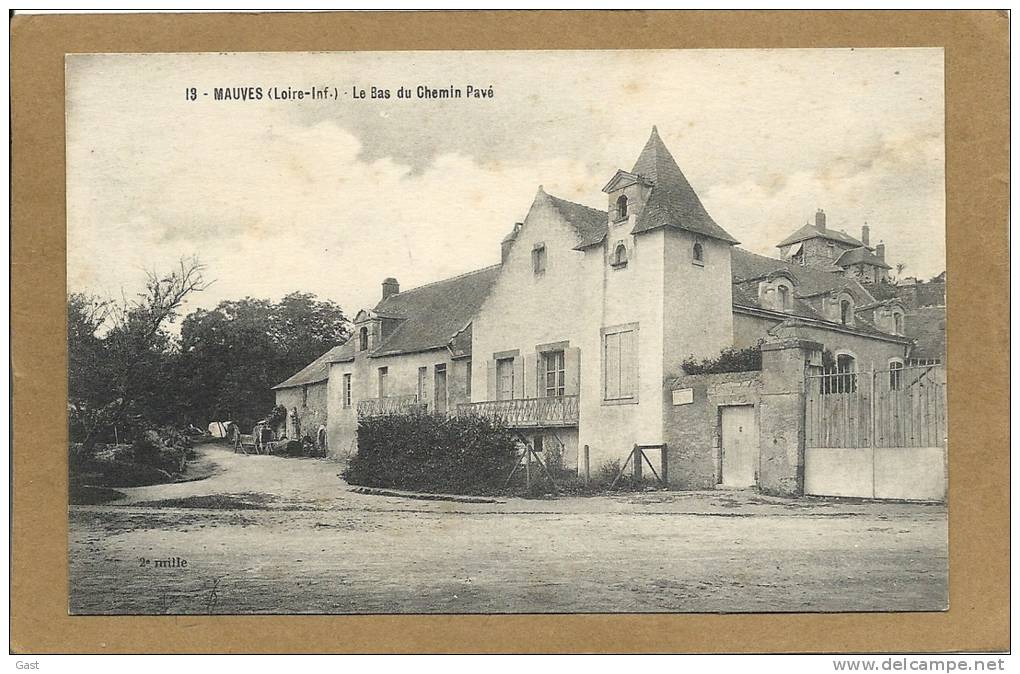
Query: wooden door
{"type": "Point", "coordinates": [440, 405]}
{"type": "Point", "coordinates": [739, 446]}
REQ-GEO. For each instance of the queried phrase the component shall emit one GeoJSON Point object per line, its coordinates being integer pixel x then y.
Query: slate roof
{"type": "Point", "coordinates": [672, 201]}
{"type": "Point", "coordinates": [860, 256]}
{"type": "Point", "coordinates": [809, 231]}
{"type": "Point", "coordinates": [748, 269]}
{"type": "Point", "coordinates": [433, 314]}
{"type": "Point", "coordinates": [318, 370]}
{"type": "Point", "coordinates": [927, 325]}
{"type": "Point", "coordinates": [590, 224]}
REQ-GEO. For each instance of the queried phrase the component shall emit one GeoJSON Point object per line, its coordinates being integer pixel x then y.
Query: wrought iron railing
{"type": "Point", "coordinates": [549, 412]}
{"type": "Point", "coordinates": [375, 407]}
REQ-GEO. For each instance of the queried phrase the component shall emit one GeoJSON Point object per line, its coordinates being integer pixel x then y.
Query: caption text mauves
{"type": "Point", "coordinates": [332, 93]}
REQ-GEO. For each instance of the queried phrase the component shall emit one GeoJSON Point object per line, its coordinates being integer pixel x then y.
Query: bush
{"type": "Point", "coordinates": [434, 453]}
{"type": "Point", "coordinates": [166, 449]}
{"type": "Point", "coordinates": [728, 360]}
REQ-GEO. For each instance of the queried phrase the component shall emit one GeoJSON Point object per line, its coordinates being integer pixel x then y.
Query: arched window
{"type": "Point", "coordinates": [846, 373]}
{"type": "Point", "coordinates": [363, 339]}
{"type": "Point", "coordinates": [846, 312]}
{"type": "Point", "coordinates": [620, 255]}
{"type": "Point", "coordinates": [784, 298]}
{"type": "Point", "coordinates": [895, 375]}
{"type": "Point", "coordinates": [621, 207]}
{"type": "Point", "coordinates": [698, 254]}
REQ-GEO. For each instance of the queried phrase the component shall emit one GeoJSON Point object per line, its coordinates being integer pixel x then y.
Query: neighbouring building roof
{"type": "Point", "coordinates": [809, 231]}
{"type": "Point", "coordinates": [748, 269]}
{"type": "Point", "coordinates": [927, 325]}
{"type": "Point", "coordinates": [318, 370]}
{"type": "Point", "coordinates": [672, 201]}
{"type": "Point", "coordinates": [746, 266]}
{"type": "Point", "coordinates": [860, 256]}
{"type": "Point", "coordinates": [432, 315]}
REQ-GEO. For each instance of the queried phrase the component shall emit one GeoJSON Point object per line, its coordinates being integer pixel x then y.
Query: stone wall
{"type": "Point", "coordinates": [692, 431]}
{"type": "Point", "coordinates": [307, 406]}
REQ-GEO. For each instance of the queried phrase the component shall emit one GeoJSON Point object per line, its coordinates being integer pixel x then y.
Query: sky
{"type": "Point", "coordinates": [332, 196]}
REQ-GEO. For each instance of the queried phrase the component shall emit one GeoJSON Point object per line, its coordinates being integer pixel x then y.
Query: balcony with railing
{"type": "Point", "coordinates": [548, 412]}
{"type": "Point", "coordinates": [405, 404]}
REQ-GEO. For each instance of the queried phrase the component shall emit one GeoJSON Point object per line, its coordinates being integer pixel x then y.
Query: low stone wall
{"type": "Point", "coordinates": [692, 429]}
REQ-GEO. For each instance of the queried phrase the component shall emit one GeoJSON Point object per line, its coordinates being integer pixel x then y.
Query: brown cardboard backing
{"type": "Point", "coordinates": [977, 116]}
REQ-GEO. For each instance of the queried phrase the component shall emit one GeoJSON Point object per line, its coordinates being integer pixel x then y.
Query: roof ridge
{"type": "Point", "coordinates": [445, 280]}
{"type": "Point", "coordinates": [574, 203]}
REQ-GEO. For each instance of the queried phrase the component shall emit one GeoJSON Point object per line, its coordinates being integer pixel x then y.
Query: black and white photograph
{"type": "Point", "coordinates": [507, 332]}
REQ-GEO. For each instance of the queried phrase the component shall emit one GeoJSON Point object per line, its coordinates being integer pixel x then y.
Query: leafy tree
{"type": "Point", "coordinates": [114, 377]}
{"type": "Point", "coordinates": [233, 355]}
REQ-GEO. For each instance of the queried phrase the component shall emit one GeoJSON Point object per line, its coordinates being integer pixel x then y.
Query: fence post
{"type": "Point", "coordinates": [527, 467]}
{"type": "Point", "coordinates": [587, 466]}
{"type": "Point", "coordinates": [637, 454]}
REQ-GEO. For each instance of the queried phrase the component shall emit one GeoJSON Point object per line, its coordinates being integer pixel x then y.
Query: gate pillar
{"type": "Point", "coordinates": [781, 429]}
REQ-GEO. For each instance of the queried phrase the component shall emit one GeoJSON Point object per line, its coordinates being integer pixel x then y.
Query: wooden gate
{"type": "Point", "coordinates": [878, 434]}
{"type": "Point", "coordinates": [896, 407]}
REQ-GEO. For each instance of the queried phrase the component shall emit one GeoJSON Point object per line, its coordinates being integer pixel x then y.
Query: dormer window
{"type": "Point", "coordinates": [698, 255]}
{"type": "Point", "coordinates": [619, 258]}
{"type": "Point", "coordinates": [898, 323]}
{"type": "Point", "coordinates": [846, 312]}
{"type": "Point", "coordinates": [621, 207]}
{"type": "Point", "coordinates": [784, 298]}
{"type": "Point", "coordinates": [363, 339]}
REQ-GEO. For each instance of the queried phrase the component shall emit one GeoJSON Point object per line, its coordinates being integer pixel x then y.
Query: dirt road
{"type": "Point", "coordinates": [274, 535]}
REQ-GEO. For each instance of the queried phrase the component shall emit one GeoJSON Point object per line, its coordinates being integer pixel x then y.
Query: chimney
{"type": "Point", "coordinates": [390, 287]}
{"type": "Point", "coordinates": [504, 247]}
{"type": "Point", "coordinates": [880, 251]}
{"type": "Point", "coordinates": [865, 231]}
{"type": "Point", "coordinates": [820, 220]}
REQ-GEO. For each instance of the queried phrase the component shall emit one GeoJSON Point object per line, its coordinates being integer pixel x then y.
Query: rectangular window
{"type": "Point", "coordinates": [347, 390]}
{"type": "Point", "coordinates": [505, 379]}
{"type": "Point", "coordinates": [619, 364]}
{"type": "Point", "coordinates": [383, 373]}
{"type": "Point", "coordinates": [538, 258]}
{"type": "Point", "coordinates": [554, 373]}
{"type": "Point", "coordinates": [467, 380]}
{"type": "Point", "coordinates": [423, 372]}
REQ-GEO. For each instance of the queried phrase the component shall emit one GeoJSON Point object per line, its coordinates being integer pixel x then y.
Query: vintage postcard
{"type": "Point", "coordinates": [493, 332]}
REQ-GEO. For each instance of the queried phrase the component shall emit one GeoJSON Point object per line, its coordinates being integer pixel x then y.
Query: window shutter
{"type": "Point", "coordinates": [519, 378]}
{"type": "Point", "coordinates": [539, 375]}
{"type": "Point", "coordinates": [572, 364]}
{"type": "Point", "coordinates": [490, 380]}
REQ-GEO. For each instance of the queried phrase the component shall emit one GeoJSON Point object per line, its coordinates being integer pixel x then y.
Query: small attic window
{"type": "Point", "coordinates": [698, 254]}
{"type": "Point", "coordinates": [363, 339]}
{"type": "Point", "coordinates": [621, 207]}
{"type": "Point", "coordinates": [538, 258]}
{"type": "Point", "coordinates": [784, 297]}
{"type": "Point", "coordinates": [897, 323]}
{"type": "Point", "coordinates": [846, 312]}
{"type": "Point", "coordinates": [619, 258]}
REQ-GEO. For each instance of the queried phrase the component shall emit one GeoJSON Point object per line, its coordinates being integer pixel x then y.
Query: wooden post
{"type": "Point", "coordinates": [637, 454]}
{"type": "Point", "coordinates": [665, 466]}
{"type": "Point", "coordinates": [527, 468]}
{"type": "Point", "coordinates": [587, 466]}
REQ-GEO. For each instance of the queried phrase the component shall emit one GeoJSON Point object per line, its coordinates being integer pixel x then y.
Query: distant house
{"type": "Point", "coordinates": [821, 247]}
{"type": "Point", "coordinates": [304, 396]}
{"type": "Point", "coordinates": [574, 337]}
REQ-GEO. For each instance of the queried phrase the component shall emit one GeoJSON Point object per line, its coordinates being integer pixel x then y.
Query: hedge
{"type": "Point", "coordinates": [432, 453]}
